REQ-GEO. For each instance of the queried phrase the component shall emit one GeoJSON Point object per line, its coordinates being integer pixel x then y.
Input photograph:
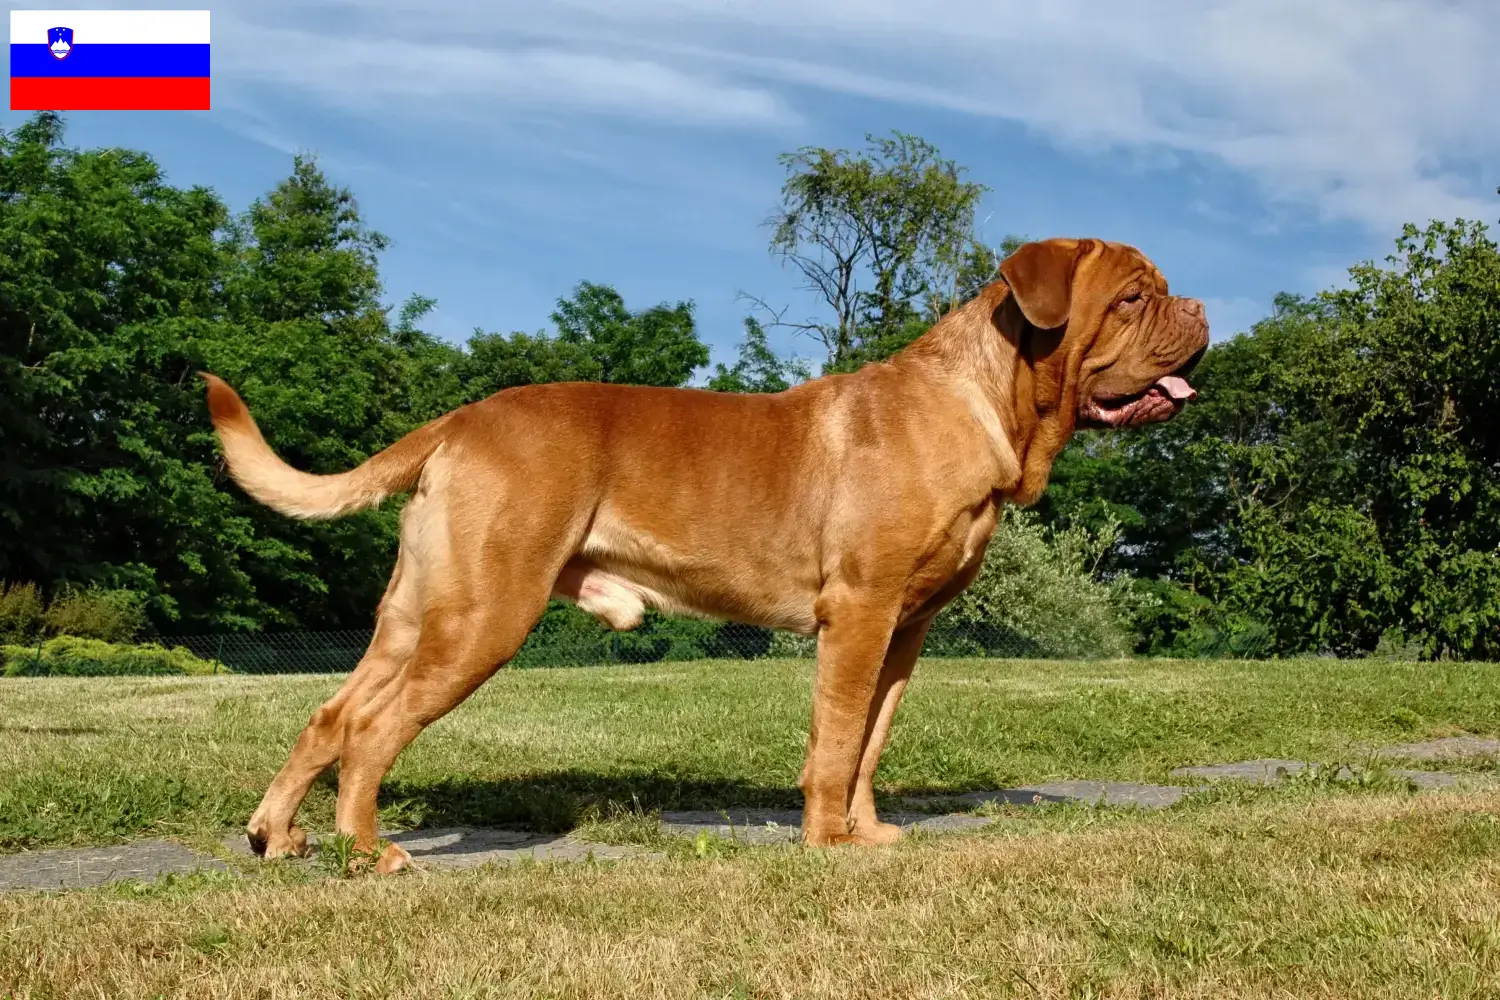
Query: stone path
{"type": "Point", "coordinates": [1452, 748]}
{"type": "Point", "coordinates": [470, 847]}
{"type": "Point", "coordinates": [1269, 771]}
{"type": "Point", "coordinates": [78, 867]}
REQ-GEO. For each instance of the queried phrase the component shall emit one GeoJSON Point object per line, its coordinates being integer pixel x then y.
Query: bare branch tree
{"type": "Point", "coordinates": [876, 235]}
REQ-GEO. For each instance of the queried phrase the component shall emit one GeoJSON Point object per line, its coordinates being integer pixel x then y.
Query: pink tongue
{"type": "Point", "coordinates": [1177, 388]}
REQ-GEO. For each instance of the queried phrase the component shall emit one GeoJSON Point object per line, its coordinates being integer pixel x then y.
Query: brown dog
{"type": "Point", "coordinates": [852, 506]}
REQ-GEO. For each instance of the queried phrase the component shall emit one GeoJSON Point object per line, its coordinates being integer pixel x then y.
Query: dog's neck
{"type": "Point", "coordinates": [977, 348]}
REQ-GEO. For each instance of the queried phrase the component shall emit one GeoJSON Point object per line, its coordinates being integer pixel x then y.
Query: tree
{"type": "Point", "coordinates": [311, 348]}
{"type": "Point", "coordinates": [1337, 484]}
{"type": "Point", "coordinates": [884, 237]}
{"type": "Point", "coordinates": [494, 362]}
{"type": "Point", "coordinates": [108, 287]}
{"type": "Point", "coordinates": [656, 346]}
{"type": "Point", "coordinates": [598, 340]}
{"type": "Point", "coordinates": [1422, 410]}
{"type": "Point", "coordinates": [758, 368]}
{"type": "Point", "coordinates": [114, 288]}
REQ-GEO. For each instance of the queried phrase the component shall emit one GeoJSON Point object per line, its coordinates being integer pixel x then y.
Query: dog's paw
{"type": "Point", "coordinates": [292, 842]}
{"type": "Point", "coordinates": [825, 834]}
{"type": "Point", "coordinates": [863, 835]}
{"type": "Point", "coordinates": [876, 833]}
{"type": "Point", "coordinates": [392, 860]}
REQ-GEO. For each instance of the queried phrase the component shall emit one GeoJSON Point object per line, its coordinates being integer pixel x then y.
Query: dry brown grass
{"type": "Point", "coordinates": [1284, 895]}
{"type": "Point", "coordinates": [1308, 891]}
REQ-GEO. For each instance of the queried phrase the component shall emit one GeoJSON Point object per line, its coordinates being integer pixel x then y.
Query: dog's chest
{"type": "Point", "coordinates": [951, 565]}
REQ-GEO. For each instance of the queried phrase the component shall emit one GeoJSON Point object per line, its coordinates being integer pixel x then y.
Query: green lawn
{"type": "Point", "coordinates": [86, 761]}
{"type": "Point", "coordinates": [1301, 891]}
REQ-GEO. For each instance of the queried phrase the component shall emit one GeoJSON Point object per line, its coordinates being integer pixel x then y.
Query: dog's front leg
{"type": "Point", "coordinates": [851, 653]}
{"type": "Point", "coordinates": [900, 658]}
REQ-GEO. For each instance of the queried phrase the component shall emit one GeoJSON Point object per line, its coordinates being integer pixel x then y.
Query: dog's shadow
{"type": "Point", "coordinates": [560, 801]}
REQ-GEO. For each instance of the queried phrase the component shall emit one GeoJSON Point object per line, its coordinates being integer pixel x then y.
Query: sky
{"type": "Point", "coordinates": [510, 150]}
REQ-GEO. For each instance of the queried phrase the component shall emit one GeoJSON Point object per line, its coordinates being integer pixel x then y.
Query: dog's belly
{"type": "Point", "coordinates": [618, 573]}
{"type": "Point", "coordinates": [619, 597]}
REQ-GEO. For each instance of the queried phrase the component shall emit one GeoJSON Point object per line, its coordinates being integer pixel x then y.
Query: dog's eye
{"type": "Point", "coordinates": [1131, 297]}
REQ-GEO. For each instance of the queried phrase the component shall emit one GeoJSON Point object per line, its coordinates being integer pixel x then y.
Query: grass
{"type": "Point", "coordinates": [85, 761]}
{"type": "Point", "coordinates": [1286, 895]}
{"type": "Point", "coordinates": [1316, 889]}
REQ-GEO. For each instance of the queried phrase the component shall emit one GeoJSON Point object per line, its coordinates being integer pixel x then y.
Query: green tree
{"type": "Point", "coordinates": [109, 282]}
{"type": "Point", "coordinates": [598, 339]}
{"type": "Point", "coordinates": [884, 237]}
{"type": "Point", "coordinates": [1337, 484]}
{"type": "Point", "coordinates": [311, 348]}
{"type": "Point", "coordinates": [1421, 406]}
{"type": "Point", "coordinates": [495, 361]}
{"type": "Point", "coordinates": [758, 368]}
{"type": "Point", "coordinates": [114, 288]}
{"type": "Point", "coordinates": [656, 346]}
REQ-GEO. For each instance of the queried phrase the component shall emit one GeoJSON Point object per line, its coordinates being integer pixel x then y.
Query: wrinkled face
{"type": "Point", "coordinates": [1148, 341]}
{"type": "Point", "coordinates": [1129, 344]}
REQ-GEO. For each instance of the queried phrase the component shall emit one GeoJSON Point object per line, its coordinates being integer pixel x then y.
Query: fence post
{"type": "Point", "coordinates": [39, 641]}
{"type": "Point", "coordinates": [219, 653]}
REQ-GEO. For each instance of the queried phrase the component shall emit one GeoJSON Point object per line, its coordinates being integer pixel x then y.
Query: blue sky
{"type": "Point", "coordinates": [510, 150]}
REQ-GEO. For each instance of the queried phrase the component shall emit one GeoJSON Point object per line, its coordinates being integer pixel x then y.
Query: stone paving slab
{"type": "Point", "coordinates": [748, 826]}
{"type": "Point", "coordinates": [1451, 748]}
{"type": "Point", "coordinates": [1268, 771]}
{"type": "Point", "coordinates": [777, 826]}
{"type": "Point", "coordinates": [1096, 793]}
{"type": "Point", "coordinates": [78, 868]}
{"type": "Point", "coordinates": [471, 846]}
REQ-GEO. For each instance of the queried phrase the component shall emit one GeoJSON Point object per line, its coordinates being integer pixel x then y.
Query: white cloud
{"type": "Point", "coordinates": [376, 75]}
{"type": "Point", "coordinates": [1346, 110]}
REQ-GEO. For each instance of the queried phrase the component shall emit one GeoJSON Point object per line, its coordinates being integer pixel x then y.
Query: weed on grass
{"type": "Point", "coordinates": [621, 823]}
{"type": "Point", "coordinates": [338, 856]}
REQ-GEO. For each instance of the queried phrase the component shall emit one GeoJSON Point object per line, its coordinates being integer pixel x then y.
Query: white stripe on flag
{"type": "Point", "coordinates": [112, 27]}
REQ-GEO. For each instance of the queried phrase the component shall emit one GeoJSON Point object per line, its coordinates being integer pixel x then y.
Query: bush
{"type": "Point", "coordinates": [108, 615]}
{"type": "Point", "coordinates": [94, 613]}
{"type": "Point", "coordinates": [21, 613]}
{"type": "Point", "coordinates": [69, 656]}
{"type": "Point", "coordinates": [1177, 622]}
{"type": "Point", "coordinates": [1038, 595]}
{"type": "Point", "coordinates": [791, 646]}
{"type": "Point", "coordinates": [566, 636]}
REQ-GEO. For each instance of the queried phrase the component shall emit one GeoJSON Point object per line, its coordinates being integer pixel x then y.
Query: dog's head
{"type": "Point", "coordinates": [1107, 344]}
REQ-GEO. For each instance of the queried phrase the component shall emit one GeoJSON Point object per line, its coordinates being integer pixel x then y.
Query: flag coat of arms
{"type": "Point", "coordinates": [109, 60]}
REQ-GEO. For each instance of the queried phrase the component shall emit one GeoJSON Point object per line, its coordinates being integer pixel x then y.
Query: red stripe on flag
{"type": "Point", "coordinates": [81, 93]}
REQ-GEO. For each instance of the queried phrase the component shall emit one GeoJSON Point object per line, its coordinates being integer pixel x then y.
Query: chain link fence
{"type": "Point", "coordinates": [569, 640]}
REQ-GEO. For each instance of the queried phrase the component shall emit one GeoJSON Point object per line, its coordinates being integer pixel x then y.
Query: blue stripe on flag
{"type": "Point", "coordinates": [110, 60]}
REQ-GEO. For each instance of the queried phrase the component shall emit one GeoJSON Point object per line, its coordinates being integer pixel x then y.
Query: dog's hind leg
{"type": "Point", "coordinates": [484, 569]}
{"type": "Point", "coordinates": [271, 830]}
{"type": "Point", "coordinates": [461, 644]}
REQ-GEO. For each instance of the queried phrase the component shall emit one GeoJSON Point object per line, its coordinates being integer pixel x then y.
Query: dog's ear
{"type": "Point", "coordinates": [1040, 276]}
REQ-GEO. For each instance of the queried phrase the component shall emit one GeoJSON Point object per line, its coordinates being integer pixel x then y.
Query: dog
{"type": "Point", "coordinates": [851, 507]}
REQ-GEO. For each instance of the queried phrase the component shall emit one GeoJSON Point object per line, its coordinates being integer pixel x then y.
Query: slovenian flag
{"type": "Point", "coordinates": [109, 60]}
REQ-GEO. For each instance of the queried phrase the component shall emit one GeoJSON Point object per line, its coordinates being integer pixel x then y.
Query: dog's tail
{"type": "Point", "coordinates": [268, 479]}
